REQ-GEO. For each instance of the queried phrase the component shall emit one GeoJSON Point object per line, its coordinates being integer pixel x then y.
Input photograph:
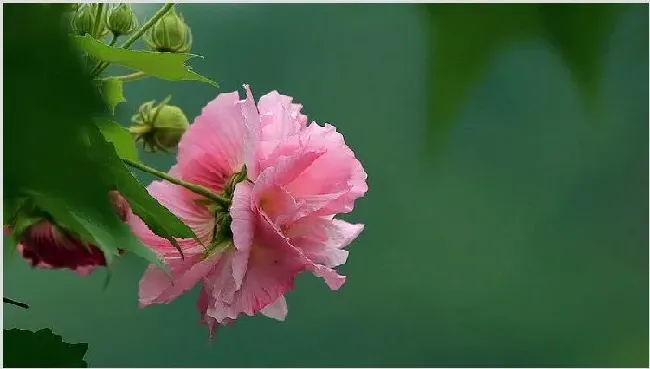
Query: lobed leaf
{"type": "Point", "coordinates": [41, 349]}
{"type": "Point", "coordinates": [157, 217]}
{"type": "Point", "coordinates": [111, 89]}
{"type": "Point", "coordinates": [466, 38]}
{"type": "Point", "coordinates": [56, 155]}
{"type": "Point", "coordinates": [120, 137]}
{"type": "Point", "coordinates": [169, 66]}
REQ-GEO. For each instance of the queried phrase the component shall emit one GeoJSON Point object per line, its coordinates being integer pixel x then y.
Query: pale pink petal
{"type": "Point", "coordinates": [277, 310]}
{"type": "Point", "coordinates": [326, 185]}
{"type": "Point", "coordinates": [156, 287]}
{"type": "Point", "coordinates": [202, 306]}
{"type": "Point", "coordinates": [269, 192]}
{"type": "Point", "coordinates": [220, 284]}
{"type": "Point", "coordinates": [243, 227]}
{"type": "Point", "coordinates": [212, 148]}
{"type": "Point", "coordinates": [252, 136]}
{"type": "Point", "coordinates": [270, 102]}
{"type": "Point", "coordinates": [337, 173]}
{"type": "Point", "coordinates": [181, 202]}
{"type": "Point", "coordinates": [331, 277]}
{"type": "Point", "coordinates": [279, 117]}
{"type": "Point", "coordinates": [320, 253]}
{"type": "Point", "coordinates": [335, 233]}
{"type": "Point", "coordinates": [272, 266]}
{"type": "Point", "coordinates": [333, 280]}
{"type": "Point", "coordinates": [83, 270]}
{"type": "Point", "coordinates": [279, 205]}
{"type": "Point", "coordinates": [322, 239]}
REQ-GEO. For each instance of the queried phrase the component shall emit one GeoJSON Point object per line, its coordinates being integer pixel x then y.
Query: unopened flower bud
{"type": "Point", "coordinates": [159, 127]}
{"type": "Point", "coordinates": [45, 244]}
{"type": "Point", "coordinates": [84, 21]}
{"type": "Point", "coordinates": [121, 19]}
{"type": "Point", "coordinates": [170, 34]}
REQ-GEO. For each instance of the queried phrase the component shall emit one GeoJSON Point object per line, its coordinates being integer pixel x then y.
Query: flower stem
{"type": "Point", "coordinates": [113, 40]}
{"type": "Point", "coordinates": [159, 14]}
{"type": "Point", "coordinates": [198, 189]}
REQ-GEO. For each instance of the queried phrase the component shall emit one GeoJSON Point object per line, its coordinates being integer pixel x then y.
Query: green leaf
{"type": "Point", "coordinates": [120, 137]}
{"type": "Point", "coordinates": [10, 209]}
{"type": "Point", "coordinates": [111, 89]}
{"type": "Point", "coordinates": [45, 113]}
{"type": "Point", "coordinates": [157, 217]}
{"type": "Point", "coordinates": [169, 66]}
{"type": "Point", "coordinates": [467, 37]}
{"type": "Point", "coordinates": [56, 156]}
{"type": "Point", "coordinates": [41, 349]}
{"type": "Point", "coordinates": [580, 33]}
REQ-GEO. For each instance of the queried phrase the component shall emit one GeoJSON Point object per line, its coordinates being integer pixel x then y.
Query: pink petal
{"type": "Point", "coordinates": [272, 266]}
{"type": "Point", "coordinates": [336, 179]}
{"type": "Point", "coordinates": [322, 239]}
{"type": "Point", "coordinates": [156, 287]}
{"type": "Point", "coordinates": [84, 270]}
{"type": "Point", "coordinates": [243, 227]}
{"type": "Point", "coordinates": [335, 233]}
{"type": "Point", "coordinates": [270, 195]}
{"type": "Point", "coordinates": [279, 117]}
{"type": "Point", "coordinates": [202, 305]}
{"type": "Point", "coordinates": [181, 202]}
{"type": "Point", "coordinates": [320, 253]}
{"type": "Point", "coordinates": [252, 136]}
{"type": "Point", "coordinates": [333, 280]}
{"type": "Point", "coordinates": [277, 310]}
{"type": "Point", "coordinates": [212, 148]}
{"type": "Point", "coordinates": [220, 283]}
{"type": "Point", "coordinates": [331, 277]}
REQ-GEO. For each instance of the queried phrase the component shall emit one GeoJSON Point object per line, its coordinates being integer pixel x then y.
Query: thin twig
{"type": "Point", "coordinates": [98, 20]}
{"type": "Point", "coordinates": [7, 300]}
{"type": "Point", "coordinates": [113, 40]}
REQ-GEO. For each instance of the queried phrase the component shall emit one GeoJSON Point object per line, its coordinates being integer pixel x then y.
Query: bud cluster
{"type": "Point", "coordinates": [158, 127]}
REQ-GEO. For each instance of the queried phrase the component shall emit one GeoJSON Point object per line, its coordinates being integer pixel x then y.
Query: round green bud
{"type": "Point", "coordinates": [83, 21]}
{"type": "Point", "coordinates": [170, 34]}
{"type": "Point", "coordinates": [121, 19]}
{"type": "Point", "coordinates": [170, 125]}
{"type": "Point", "coordinates": [159, 127]}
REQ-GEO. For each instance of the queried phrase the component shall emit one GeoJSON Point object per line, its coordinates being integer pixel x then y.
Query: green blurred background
{"type": "Point", "coordinates": [520, 239]}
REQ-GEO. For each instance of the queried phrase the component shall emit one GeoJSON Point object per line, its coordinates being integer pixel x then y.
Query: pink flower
{"type": "Point", "coordinates": [48, 246]}
{"type": "Point", "coordinates": [287, 180]}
